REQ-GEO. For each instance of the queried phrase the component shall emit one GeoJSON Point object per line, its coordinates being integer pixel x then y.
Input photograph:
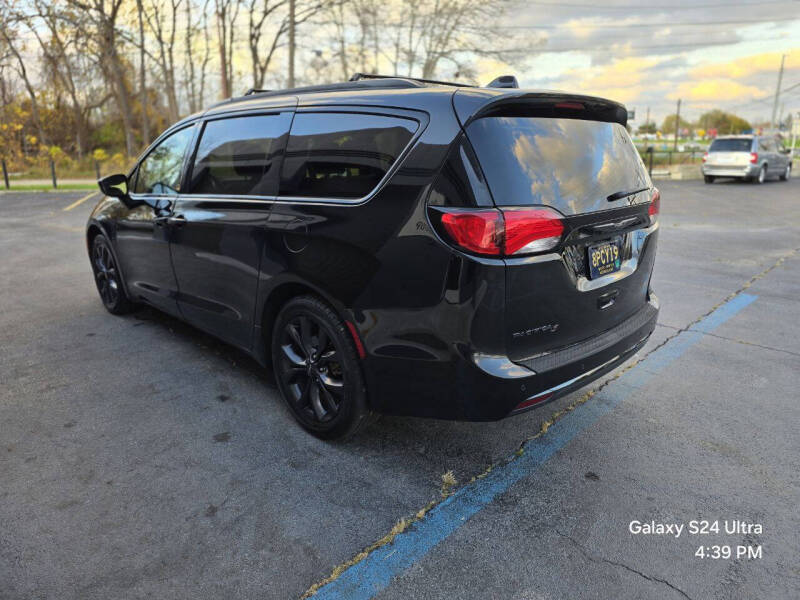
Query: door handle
{"type": "Point", "coordinates": [176, 220]}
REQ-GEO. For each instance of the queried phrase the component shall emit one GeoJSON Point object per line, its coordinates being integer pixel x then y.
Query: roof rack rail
{"type": "Point", "coordinates": [252, 91]}
{"type": "Point", "coordinates": [360, 76]}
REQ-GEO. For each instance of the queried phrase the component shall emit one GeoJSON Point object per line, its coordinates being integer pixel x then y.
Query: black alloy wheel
{"type": "Point", "coordinates": [317, 370]}
{"type": "Point", "coordinates": [107, 278]}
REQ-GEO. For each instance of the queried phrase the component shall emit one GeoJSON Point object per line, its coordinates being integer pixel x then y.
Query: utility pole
{"type": "Point", "coordinates": [777, 92]}
{"type": "Point", "coordinates": [647, 120]}
{"type": "Point", "coordinates": [291, 42]}
{"type": "Point", "coordinates": [677, 125]}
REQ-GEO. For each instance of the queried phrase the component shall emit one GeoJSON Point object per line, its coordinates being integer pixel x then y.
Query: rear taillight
{"type": "Point", "coordinates": [478, 231]}
{"type": "Point", "coordinates": [705, 156]}
{"type": "Point", "coordinates": [531, 230]}
{"type": "Point", "coordinates": [655, 205]}
{"type": "Point", "coordinates": [754, 157]}
{"type": "Point", "coordinates": [509, 231]}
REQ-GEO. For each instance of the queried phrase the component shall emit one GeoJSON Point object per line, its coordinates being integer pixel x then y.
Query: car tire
{"type": "Point", "coordinates": [317, 369]}
{"type": "Point", "coordinates": [787, 173]}
{"type": "Point", "coordinates": [762, 175]}
{"type": "Point", "coordinates": [708, 178]}
{"type": "Point", "coordinates": [108, 278]}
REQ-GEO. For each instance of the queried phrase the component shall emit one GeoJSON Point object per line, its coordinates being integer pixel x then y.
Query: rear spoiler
{"type": "Point", "coordinates": [474, 103]}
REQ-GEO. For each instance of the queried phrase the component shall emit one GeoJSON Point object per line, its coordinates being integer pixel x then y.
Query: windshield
{"type": "Point", "coordinates": [570, 164]}
{"type": "Point", "coordinates": [731, 145]}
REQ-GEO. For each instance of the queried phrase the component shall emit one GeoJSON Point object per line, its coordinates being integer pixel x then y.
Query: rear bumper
{"type": "Point", "coordinates": [730, 170]}
{"type": "Point", "coordinates": [488, 388]}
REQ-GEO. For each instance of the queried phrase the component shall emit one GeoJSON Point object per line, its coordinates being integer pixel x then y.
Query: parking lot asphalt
{"type": "Point", "coordinates": [142, 458]}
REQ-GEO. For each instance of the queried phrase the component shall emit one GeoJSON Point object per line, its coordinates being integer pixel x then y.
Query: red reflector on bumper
{"type": "Point", "coordinates": [532, 401]}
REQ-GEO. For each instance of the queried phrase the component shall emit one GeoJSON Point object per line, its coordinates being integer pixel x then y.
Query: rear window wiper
{"type": "Point", "coordinates": [621, 195]}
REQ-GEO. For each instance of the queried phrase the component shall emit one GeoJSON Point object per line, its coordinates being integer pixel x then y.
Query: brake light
{"type": "Point", "coordinates": [509, 231]}
{"type": "Point", "coordinates": [655, 205]}
{"type": "Point", "coordinates": [478, 231]}
{"type": "Point", "coordinates": [571, 105]}
{"type": "Point", "coordinates": [531, 230]}
{"type": "Point", "coordinates": [705, 156]}
{"type": "Point", "coordinates": [754, 157]}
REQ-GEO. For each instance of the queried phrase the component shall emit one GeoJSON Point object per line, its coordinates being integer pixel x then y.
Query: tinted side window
{"type": "Point", "coordinates": [240, 156]}
{"type": "Point", "coordinates": [460, 182]}
{"type": "Point", "coordinates": [160, 171]}
{"type": "Point", "coordinates": [341, 155]}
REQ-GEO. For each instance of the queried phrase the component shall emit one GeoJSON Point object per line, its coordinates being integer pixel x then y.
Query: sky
{"type": "Point", "coordinates": [708, 53]}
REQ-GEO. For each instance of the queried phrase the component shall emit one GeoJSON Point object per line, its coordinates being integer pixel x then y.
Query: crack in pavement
{"type": "Point", "coordinates": [600, 559]}
{"type": "Point", "coordinates": [746, 343]}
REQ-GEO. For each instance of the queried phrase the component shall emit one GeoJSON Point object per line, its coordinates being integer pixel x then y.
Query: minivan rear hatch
{"type": "Point", "coordinates": [581, 162]}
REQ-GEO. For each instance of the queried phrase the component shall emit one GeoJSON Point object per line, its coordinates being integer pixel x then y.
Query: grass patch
{"type": "Point", "coordinates": [62, 187]}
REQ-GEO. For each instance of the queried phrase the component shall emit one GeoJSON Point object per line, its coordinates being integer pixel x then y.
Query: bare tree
{"type": "Point", "coordinates": [268, 24]}
{"type": "Point", "coordinates": [161, 17]}
{"type": "Point", "coordinates": [142, 73]}
{"type": "Point", "coordinates": [102, 18]}
{"type": "Point", "coordinates": [417, 36]}
{"type": "Point", "coordinates": [258, 13]}
{"type": "Point", "coordinates": [226, 12]}
{"type": "Point", "coordinates": [195, 72]}
{"type": "Point", "coordinates": [8, 38]}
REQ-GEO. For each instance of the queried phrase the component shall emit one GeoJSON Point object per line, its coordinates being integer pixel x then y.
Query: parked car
{"type": "Point", "coordinates": [394, 245]}
{"type": "Point", "coordinates": [746, 157]}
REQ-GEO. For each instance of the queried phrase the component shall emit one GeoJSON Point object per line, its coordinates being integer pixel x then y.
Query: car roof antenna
{"type": "Point", "coordinates": [504, 81]}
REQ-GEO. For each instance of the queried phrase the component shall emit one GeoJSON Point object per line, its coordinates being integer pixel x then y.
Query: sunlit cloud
{"type": "Point", "coordinates": [747, 66]}
{"type": "Point", "coordinates": [715, 90]}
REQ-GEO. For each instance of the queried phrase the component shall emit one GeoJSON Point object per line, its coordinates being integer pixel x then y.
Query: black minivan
{"type": "Point", "coordinates": [394, 245]}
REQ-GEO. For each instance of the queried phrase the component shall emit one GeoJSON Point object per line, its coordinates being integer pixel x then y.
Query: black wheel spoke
{"type": "Point", "coordinates": [316, 404]}
{"type": "Point", "coordinates": [333, 406]}
{"type": "Point", "coordinates": [328, 356]}
{"type": "Point", "coordinates": [305, 333]}
{"type": "Point", "coordinates": [294, 357]}
{"type": "Point", "coordinates": [322, 341]}
{"type": "Point", "coordinates": [291, 329]}
{"type": "Point", "coordinates": [331, 383]}
{"type": "Point", "coordinates": [293, 373]}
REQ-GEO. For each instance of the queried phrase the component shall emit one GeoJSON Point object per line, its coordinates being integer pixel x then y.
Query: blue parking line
{"type": "Point", "coordinates": [375, 573]}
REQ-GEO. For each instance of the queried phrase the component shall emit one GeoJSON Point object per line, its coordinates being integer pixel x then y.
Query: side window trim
{"type": "Point", "coordinates": [195, 145]}
{"type": "Point", "coordinates": [420, 117]}
{"type": "Point", "coordinates": [156, 143]}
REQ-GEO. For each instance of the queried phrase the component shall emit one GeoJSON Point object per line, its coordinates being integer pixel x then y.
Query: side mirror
{"type": "Point", "coordinates": [786, 150]}
{"type": "Point", "coordinates": [115, 185]}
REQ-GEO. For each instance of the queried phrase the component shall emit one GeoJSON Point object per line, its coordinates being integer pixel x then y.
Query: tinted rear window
{"type": "Point", "coordinates": [569, 164]}
{"type": "Point", "coordinates": [240, 156]}
{"type": "Point", "coordinates": [731, 145]}
{"type": "Point", "coordinates": [341, 155]}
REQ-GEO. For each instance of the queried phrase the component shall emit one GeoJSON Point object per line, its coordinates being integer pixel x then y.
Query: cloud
{"type": "Point", "coordinates": [748, 66]}
{"type": "Point", "coordinates": [623, 79]}
{"type": "Point", "coordinates": [715, 89]}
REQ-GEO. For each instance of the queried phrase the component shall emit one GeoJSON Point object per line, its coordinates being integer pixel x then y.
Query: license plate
{"type": "Point", "coordinates": [604, 258]}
